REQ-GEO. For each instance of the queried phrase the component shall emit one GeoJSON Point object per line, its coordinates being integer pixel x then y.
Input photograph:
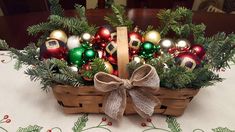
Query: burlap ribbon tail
{"type": "Point", "coordinates": [138, 86]}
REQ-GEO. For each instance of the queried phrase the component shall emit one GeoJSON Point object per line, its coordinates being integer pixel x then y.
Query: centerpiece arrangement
{"type": "Point", "coordinates": [161, 69]}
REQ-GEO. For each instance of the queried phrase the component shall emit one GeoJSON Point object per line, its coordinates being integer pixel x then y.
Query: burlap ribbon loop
{"type": "Point", "coordinates": [142, 80]}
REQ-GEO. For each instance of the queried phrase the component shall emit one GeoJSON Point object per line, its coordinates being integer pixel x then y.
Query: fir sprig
{"type": "Point", "coordinates": [56, 8]}
{"type": "Point", "coordinates": [173, 124]}
{"type": "Point", "coordinates": [80, 123]}
{"type": "Point", "coordinates": [118, 18]}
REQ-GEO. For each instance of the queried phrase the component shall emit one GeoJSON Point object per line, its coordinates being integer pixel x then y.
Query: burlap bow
{"type": "Point", "coordinates": [138, 86]}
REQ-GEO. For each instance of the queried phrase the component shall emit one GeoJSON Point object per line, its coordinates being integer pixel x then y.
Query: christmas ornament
{"type": "Point", "coordinates": [111, 48]}
{"type": "Point", "coordinates": [59, 35]}
{"type": "Point", "coordinates": [182, 45]}
{"type": "Point", "coordinates": [152, 36]}
{"type": "Point", "coordinates": [138, 59]}
{"type": "Point", "coordinates": [89, 54]}
{"type": "Point", "coordinates": [53, 49]}
{"type": "Point", "coordinates": [198, 50]}
{"type": "Point", "coordinates": [147, 47]}
{"type": "Point", "coordinates": [86, 67]}
{"type": "Point", "coordinates": [166, 44]}
{"type": "Point", "coordinates": [133, 51]}
{"type": "Point", "coordinates": [103, 34]}
{"type": "Point", "coordinates": [101, 54]}
{"type": "Point", "coordinates": [74, 68]}
{"type": "Point", "coordinates": [76, 56]}
{"type": "Point", "coordinates": [187, 60]}
{"type": "Point", "coordinates": [73, 42]}
{"type": "Point", "coordinates": [86, 37]}
{"type": "Point", "coordinates": [108, 67]}
{"type": "Point", "coordinates": [112, 60]}
{"type": "Point", "coordinates": [115, 72]}
{"type": "Point", "coordinates": [134, 40]}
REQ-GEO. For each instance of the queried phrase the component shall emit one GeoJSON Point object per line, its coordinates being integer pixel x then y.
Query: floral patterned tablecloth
{"type": "Point", "coordinates": [24, 107]}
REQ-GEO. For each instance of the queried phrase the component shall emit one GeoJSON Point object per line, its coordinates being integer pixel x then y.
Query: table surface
{"type": "Point", "coordinates": [26, 104]}
{"type": "Point", "coordinates": [13, 28]}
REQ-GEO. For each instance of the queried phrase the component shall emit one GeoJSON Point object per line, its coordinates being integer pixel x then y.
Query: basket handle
{"type": "Point", "coordinates": [122, 52]}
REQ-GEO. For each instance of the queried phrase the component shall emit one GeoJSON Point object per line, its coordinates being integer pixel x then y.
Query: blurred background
{"type": "Point", "coordinates": [13, 7]}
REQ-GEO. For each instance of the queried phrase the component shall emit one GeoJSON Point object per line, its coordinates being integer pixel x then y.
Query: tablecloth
{"type": "Point", "coordinates": [24, 107]}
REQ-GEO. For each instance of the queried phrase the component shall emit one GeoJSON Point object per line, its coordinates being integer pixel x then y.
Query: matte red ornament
{"type": "Point", "coordinates": [115, 72]}
{"type": "Point", "coordinates": [198, 50]}
{"type": "Point", "coordinates": [53, 49]}
{"type": "Point", "coordinates": [188, 60]}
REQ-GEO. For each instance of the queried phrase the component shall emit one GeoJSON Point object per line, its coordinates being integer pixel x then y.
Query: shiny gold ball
{"type": "Point", "coordinates": [138, 59]}
{"type": "Point", "coordinates": [182, 45]}
{"type": "Point", "coordinates": [166, 44]}
{"type": "Point", "coordinates": [59, 35]}
{"type": "Point", "coordinates": [108, 67]}
{"type": "Point", "coordinates": [152, 36]}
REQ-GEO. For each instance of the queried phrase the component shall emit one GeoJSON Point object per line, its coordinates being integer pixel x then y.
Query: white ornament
{"type": "Point", "coordinates": [74, 68]}
{"type": "Point", "coordinates": [73, 42]}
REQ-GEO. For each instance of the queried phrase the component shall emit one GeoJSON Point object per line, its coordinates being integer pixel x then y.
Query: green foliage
{"type": "Point", "coordinates": [53, 71]}
{"type": "Point", "coordinates": [3, 45]}
{"type": "Point", "coordinates": [109, 3]}
{"type": "Point", "coordinates": [96, 66]}
{"type": "Point", "coordinates": [220, 49]}
{"type": "Point", "coordinates": [119, 17]}
{"type": "Point", "coordinates": [173, 124]}
{"type": "Point", "coordinates": [179, 22]}
{"type": "Point", "coordinates": [56, 8]}
{"type": "Point", "coordinates": [221, 129]}
{"type": "Point", "coordinates": [80, 123]}
{"type": "Point", "coordinates": [30, 128]}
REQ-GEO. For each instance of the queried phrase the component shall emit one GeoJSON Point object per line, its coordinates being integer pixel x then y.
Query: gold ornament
{"type": "Point", "coordinates": [138, 59]}
{"type": "Point", "coordinates": [183, 45]}
{"type": "Point", "coordinates": [166, 44]}
{"type": "Point", "coordinates": [152, 36]}
{"type": "Point", "coordinates": [59, 35]}
{"type": "Point", "coordinates": [108, 67]}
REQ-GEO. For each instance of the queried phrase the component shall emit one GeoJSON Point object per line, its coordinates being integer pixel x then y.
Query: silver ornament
{"type": "Point", "coordinates": [166, 44]}
{"type": "Point", "coordinates": [86, 37]}
{"type": "Point", "coordinates": [182, 45]}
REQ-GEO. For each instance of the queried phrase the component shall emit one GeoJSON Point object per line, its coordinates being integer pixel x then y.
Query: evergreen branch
{"type": "Point", "coordinates": [55, 8]}
{"type": "Point", "coordinates": [221, 129]}
{"type": "Point", "coordinates": [118, 18]}
{"type": "Point", "coordinates": [81, 11]}
{"type": "Point", "coordinates": [173, 124]}
{"type": "Point", "coordinates": [80, 123]}
{"type": "Point", "coordinates": [30, 128]}
{"type": "Point", "coordinates": [220, 49]}
{"type": "Point", "coordinates": [3, 45]}
{"type": "Point", "coordinates": [41, 28]}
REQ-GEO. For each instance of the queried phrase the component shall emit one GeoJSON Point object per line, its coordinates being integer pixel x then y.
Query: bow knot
{"type": "Point", "coordinates": [143, 78]}
{"type": "Point", "coordinates": [127, 84]}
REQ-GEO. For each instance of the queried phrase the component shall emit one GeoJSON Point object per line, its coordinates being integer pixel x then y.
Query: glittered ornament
{"type": "Point", "coordinates": [59, 35]}
{"type": "Point", "coordinates": [53, 49]}
{"type": "Point", "coordinates": [166, 44]}
{"type": "Point", "coordinates": [187, 60]}
{"type": "Point", "coordinates": [103, 34]}
{"type": "Point", "coordinates": [73, 42]}
{"type": "Point", "coordinates": [76, 56]}
{"type": "Point", "coordinates": [111, 48]}
{"type": "Point", "coordinates": [182, 45]}
{"type": "Point", "coordinates": [101, 54]}
{"type": "Point", "coordinates": [198, 50]}
{"type": "Point", "coordinates": [152, 36]}
{"type": "Point", "coordinates": [108, 67]}
{"type": "Point", "coordinates": [86, 37]}
{"type": "Point", "coordinates": [89, 54]}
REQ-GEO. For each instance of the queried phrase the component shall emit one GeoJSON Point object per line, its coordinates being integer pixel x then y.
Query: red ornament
{"type": "Point", "coordinates": [103, 34]}
{"type": "Point", "coordinates": [112, 60]}
{"type": "Point", "coordinates": [101, 54]}
{"type": "Point", "coordinates": [198, 50]}
{"type": "Point", "coordinates": [115, 72]}
{"type": "Point", "coordinates": [134, 35]}
{"type": "Point", "coordinates": [133, 51]}
{"type": "Point", "coordinates": [134, 40]}
{"type": "Point", "coordinates": [86, 67]}
{"type": "Point", "coordinates": [53, 49]}
{"type": "Point", "coordinates": [187, 60]}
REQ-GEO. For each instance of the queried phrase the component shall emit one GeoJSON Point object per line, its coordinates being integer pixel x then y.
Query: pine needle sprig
{"type": "Point", "coordinates": [55, 8]}
{"type": "Point", "coordinates": [118, 18]}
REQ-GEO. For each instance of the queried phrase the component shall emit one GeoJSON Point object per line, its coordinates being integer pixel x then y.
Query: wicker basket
{"type": "Point", "coordinates": [86, 99]}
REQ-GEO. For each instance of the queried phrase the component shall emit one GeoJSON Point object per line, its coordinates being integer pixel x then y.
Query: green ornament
{"type": "Point", "coordinates": [86, 45]}
{"type": "Point", "coordinates": [157, 48]}
{"type": "Point", "coordinates": [89, 54]}
{"type": "Point", "coordinates": [146, 55]}
{"type": "Point", "coordinates": [75, 56]}
{"type": "Point", "coordinates": [147, 47]}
